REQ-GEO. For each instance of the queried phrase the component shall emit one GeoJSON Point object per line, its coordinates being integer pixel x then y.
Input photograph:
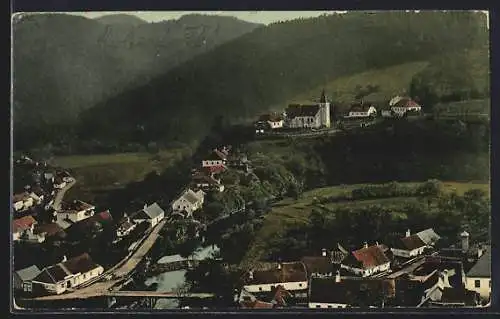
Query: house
{"type": "Point", "coordinates": [366, 261]}
{"type": "Point", "coordinates": [362, 110]}
{"type": "Point", "coordinates": [125, 227]}
{"type": "Point", "coordinates": [315, 115]}
{"type": "Point", "coordinates": [67, 274]}
{"type": "Point", "coordinates": [273, 120]}
{"type": "Point", "coordinates": [478, 278]}
{"type": "Point", "coordinates": [409, 246]}
{"type": "Point", "coordinates": [22, 228]}
{"type": "Point", "coordinates": [91, 225]}
{"type": "Point", "coordinates": [22, 278]}
{"type": "Point", "coordinates": [320, 266]}
{"type": "Point", "coordinates": [247, 300]}
{"type": "Point", "coordinates": [239, 161]}
{"type": "Point", "coordinates": [38, 194]}
{"type": "Point", "coordinates": [344, 292]}
{"type": "Point", "coordinates": [206, 183]}
{"type": "Point", "coordinates": [75, 211]}
{"type": "Point", "coordinates": [189, 201]}
{"type": "Point", "coordinates": [215, 158]}
{"type": "Point", "coordinates": [292, 276]}
{"type": "Point", "coordinates": [49, 177]}
{"type": "Point", "coordinates": [22, 201]}
{"type": "Point", "coordinates": [59, 183]}
{"type": "Point", "coordinates": [49, 231]}
{"type": "Point", "coordinates": [66, 177]}
{"type": "Point", "coordinates": [402, 105]}
{"type": "Point", "coordinates": [455, 297]}
{"type": "Point", "coordinates": [152, 214]}
{"type": "Point", "coordinates": [429, 237]}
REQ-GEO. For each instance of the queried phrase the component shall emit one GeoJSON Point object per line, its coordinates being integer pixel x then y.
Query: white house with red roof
{"type": "Point", "coordinates": [23, 226]}
{"type": "Point", "coordinates": [292, 276]}
{"type": "Point", "coordinates": [366, 261]}
{"type": "Point", "coordinates": [401, 105]}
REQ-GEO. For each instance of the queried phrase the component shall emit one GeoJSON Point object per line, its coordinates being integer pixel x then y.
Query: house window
{"type": "Point", "coordinates": [477, 283]}
{"type": "Point", "coordinates": [329, 306]}
{"type": "Point", "coordinates": [84, 276]}
{"type": "Point", "coordinates": [318, 306]}
{"type": "Point", "coordinates": [490, 283]}
{"type": "Point", "coordinates": [272, 287]}
{"type": "Point", "coordinates": [260, 288]}
{"type": "Point", "coordinates": [300, 285]}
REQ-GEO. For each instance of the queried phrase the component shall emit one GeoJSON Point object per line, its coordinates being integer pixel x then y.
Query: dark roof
{"type": "Point", "coordinates": [23, 223]}
{"type": "Point", "coordinates": [50, 275]}
{"type": "Point", "coordinates": [351, 291]}
{"type": "Point", "coordinates": [50, 229]}
{"type": "Point", "coordinates": [482, 268]}
{"type": "Point", "coordinates": [323, 97]}
{"type": "Point", "coordinates": [272, 117]}
{"type": "Point", "coordinates": [433, 263]}
{"type": "Point", "coordinates": [75, 206]}
{"type": "Point", "coordinates": [28, 273]}
{"type": "Point", "coordinates": [20, 197]}
{"type": "Point", "coordinates": [80, 264]}
{"type": "Point", "coordinates": [367, 257]}
{"type": "Point", "coordinates": [459, 295]}
{"type": "Point", "coordinates": [360, 107]}
{"type": "Point", "coordinates": [299, 110]}
{"type": "Point", "coordinates": [318, 264]}
{"type": "Point", "coordinates": [279, 295]}
{"type": "Point", "coordinates": [289, 272]}
{"type": "Point", "coordinates": [216, 155]}
{"type": "Point", "coordinates": [409, 243]}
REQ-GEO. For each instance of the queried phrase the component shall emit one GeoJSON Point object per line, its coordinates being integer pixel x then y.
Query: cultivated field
{"type": "Point", "coordinates": [289, 212]}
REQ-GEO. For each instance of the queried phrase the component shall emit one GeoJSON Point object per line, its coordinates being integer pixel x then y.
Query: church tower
{"type": "Point", "coordinates": [324, 107]}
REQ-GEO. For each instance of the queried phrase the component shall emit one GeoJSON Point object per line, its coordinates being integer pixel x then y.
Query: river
{"type": "Point", "coordinates": [168, 281]}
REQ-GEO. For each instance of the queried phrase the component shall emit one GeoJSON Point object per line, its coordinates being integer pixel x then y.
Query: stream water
{"type": "Point", "coordinates": [169, 281]}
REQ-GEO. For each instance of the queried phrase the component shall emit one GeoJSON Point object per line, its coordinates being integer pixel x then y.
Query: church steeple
{"type": "Point", "coordinates": [323, 97]}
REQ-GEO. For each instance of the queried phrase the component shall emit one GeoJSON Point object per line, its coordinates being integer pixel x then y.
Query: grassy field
{"type": "Point", "coordinates": [391, 81]}
{"type": "Point", "coordinates": [465, 107]}
{"type": "Point", "coordinates": [289, 212]}
{"type": "Point", "coordinates": [100, 173]}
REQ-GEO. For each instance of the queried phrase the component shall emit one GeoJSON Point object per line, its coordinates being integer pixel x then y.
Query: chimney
{"type": "Point", "coordinates": [279, 265]}
{"type": "Point", "coordinates": [337, 276]}
{"type": "Point", "coordinates": [464, 236]}
{"type": "Point", "coordinates": [365, 245]}
{"type": "Point", "coordinates": [64, 259]}
{"type": "Point", "coordinates": [408, 233]}
{"type": "Point", "coordinates": [250, 274]}
{"type": "Point", "coordinates": [323, 252]}
{"type": "Point", "coordinates": [444, 277]}
{"type": "Point", "coordinates": [145, 206]}
{"type": "Point", "coordinates": [376, 243]}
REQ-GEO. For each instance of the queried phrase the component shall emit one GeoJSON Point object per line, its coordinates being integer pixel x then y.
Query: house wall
{"type": "Point", "coordinates": [16, 236]}
{"type": "Point", "coordinates": [367, 272]}
{"type": "Point", "coordinates": [326, 305]}
{"type": "Point", "coordinates": [291, 286]}
{"type": "Point", "coordinates": [58, 288]}
{"type": "Point", "coordinates": [208, 163]}
{"type": "Point", "coordinates": [181, 204]}
{"type": "Point", "coordinates": [484, 288]}
{"type": "Point", "coordinates": [18, 283]}
{"type": "Point", "coordinates": [274, 125]}
{"type": "Point", "coordinates": [28, 202]}
{"type": "Point", "coordinates": [18, 205]}
{"type": "Point", "coordinates": [306, 121]}
{"type": "Point", "coordinates": [407, 253]}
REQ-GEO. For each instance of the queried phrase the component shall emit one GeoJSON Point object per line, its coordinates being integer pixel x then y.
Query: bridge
{"type": "Point", "coordinates": [158, 294]}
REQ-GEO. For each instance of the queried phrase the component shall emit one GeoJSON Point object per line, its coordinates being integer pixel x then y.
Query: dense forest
{"type": "Point", "coordinates": [64, 64]}
{"type": "Point", "coordinates": [265, 67]}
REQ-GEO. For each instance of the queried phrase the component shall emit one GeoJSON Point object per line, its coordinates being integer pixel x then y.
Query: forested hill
{"type": "Point", "coordinates": [249, 74]}
{"type": "Point", "coordinates": [64, 63]}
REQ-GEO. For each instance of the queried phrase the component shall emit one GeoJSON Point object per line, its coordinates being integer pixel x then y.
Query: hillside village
{"type": "Point", "coordinates": [411, 272]}
{"type": "Point", "coordinates": [211, 163]}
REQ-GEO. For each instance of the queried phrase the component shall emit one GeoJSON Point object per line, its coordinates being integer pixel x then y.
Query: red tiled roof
{"type": "Point", "coordinates": [80, 264]}
{"type": "Point", "coordinates": [270, 117]}
{"type": "Point", "coordinates": [214, 169]}
{"type": "Point", "coordinates": [406, 102]}
{"type": "Point", "coordinates": [289, 272]}
{"type": "Point", "coordinates": [370, 257]}
{"type": "Point", "coordinates": [105, 215]}
{"type": "Point", "coordinates": [257, 304]}
{"type": "Point", "coordinates": [22, 223]}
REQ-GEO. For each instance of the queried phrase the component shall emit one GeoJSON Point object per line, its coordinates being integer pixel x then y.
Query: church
{"type": "Point", "coordinates": [309, 115]}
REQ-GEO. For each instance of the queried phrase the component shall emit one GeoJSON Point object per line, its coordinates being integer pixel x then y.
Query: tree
{"type": "Point", "coordinates": [213, 210]}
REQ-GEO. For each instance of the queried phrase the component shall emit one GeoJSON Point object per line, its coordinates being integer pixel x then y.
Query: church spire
{"type": "Point", "coordinates": [323, 97]}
